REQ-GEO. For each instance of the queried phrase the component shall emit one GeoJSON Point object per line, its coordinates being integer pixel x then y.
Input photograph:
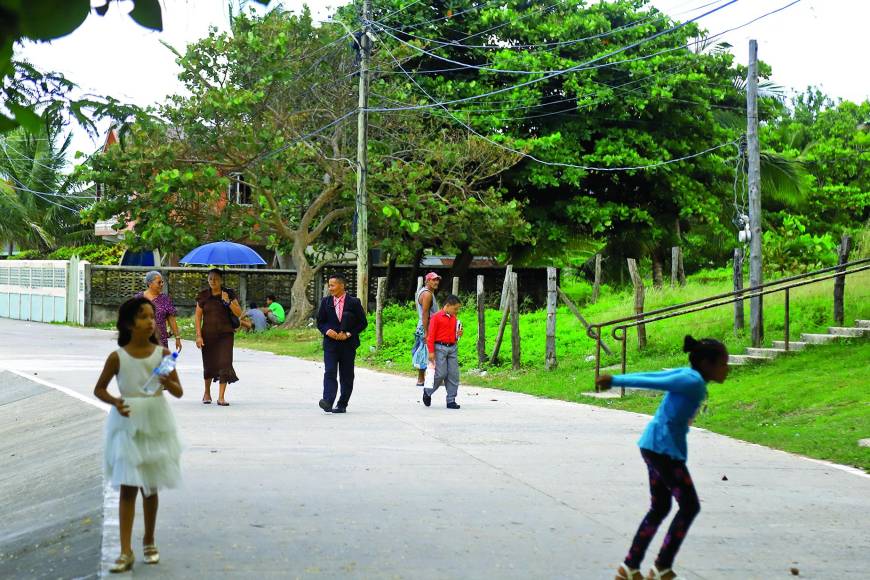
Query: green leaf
{"type": "Point", "coordinates": [147, 13]}
{"type": "Point", "coordinates": [7, 124]}
{"type": "Point", "coordinates": [48, 19]}
{"type": "Point", "coordinates": [26, 117]}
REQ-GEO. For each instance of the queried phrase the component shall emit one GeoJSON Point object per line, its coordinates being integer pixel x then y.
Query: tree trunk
{"type": "Point", "coordinates": [300, 307]}
{"type": "Point", "coordinates": [658, 269]}
{"type": "Point", "coordinates": [391, 269]}
{"type": "Point", "coordinates": [462, 263]}
{"type": "Point", "coordinates": [415, 269]}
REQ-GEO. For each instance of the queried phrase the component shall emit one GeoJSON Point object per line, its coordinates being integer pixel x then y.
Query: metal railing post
{"type": "Point", "coordinates": [597, 356]}
{"type": "Point", "coordinates": [624, 340]}
{"type": "Point", "coordinates": [786, 323]}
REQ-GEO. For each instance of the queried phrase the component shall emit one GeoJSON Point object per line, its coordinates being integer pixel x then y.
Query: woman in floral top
{"type": "Point", "coordinates": [164, 309]}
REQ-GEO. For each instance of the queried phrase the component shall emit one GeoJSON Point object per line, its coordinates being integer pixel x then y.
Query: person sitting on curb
{"type": "Point", "coordinates": [253, 320]}
{"type": "Point", "coordinates": [444, 332]}
{"type": "Point", "coordinates": [274, 312]}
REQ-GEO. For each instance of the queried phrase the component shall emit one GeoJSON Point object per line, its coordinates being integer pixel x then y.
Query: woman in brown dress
{"type": "Point", "coordinates": [215, 334]}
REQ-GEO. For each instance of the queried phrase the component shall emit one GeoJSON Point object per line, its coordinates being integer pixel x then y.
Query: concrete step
{"type": "Point", "coordinates": [818, 338]}
{"type": "Point", "coordinates": [851, 331]}
{"type": "Point", "coordinates": [792, 344]}
{"type": "Point", "coordinates": [765, 352]}
{"type": "Point", "coordinates": [862, 323]}
{"type": "Point", "coordinates": [745, 359]}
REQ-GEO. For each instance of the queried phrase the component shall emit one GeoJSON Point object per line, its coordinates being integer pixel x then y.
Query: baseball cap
{"type": "Point", "coordinates": [432, 276]}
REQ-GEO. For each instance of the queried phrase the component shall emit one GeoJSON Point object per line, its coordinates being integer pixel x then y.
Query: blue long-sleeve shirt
{"type": "Point", "coordinates": [686, 391]}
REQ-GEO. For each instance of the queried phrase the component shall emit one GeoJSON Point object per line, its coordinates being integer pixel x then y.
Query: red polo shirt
{"type": "Point", "coordinates": [442, 328]}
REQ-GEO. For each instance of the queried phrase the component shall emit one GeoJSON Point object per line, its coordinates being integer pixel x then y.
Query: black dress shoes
{"type": "Point", "coordinates": [452, 405]}
{"type": "Point", "coordinates": [325, 406]}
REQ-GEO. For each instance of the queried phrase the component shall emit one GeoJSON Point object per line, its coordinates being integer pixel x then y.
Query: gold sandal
{"type": "Point", "coordinates": [150, 554]}
{"type": "Point", "coordinates": [124, 563]}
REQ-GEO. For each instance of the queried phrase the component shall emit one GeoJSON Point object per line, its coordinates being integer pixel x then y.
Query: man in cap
{"type": "Point", "coordinates": [427, 305]}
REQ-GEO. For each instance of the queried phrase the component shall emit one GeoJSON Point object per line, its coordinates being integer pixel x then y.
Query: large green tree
{"type": "Point", "coordinates": [273, 101]}
{"type": "Point", "coordinates": [832, 141]}
{"type": "Point", "coordinates": [661, 101]}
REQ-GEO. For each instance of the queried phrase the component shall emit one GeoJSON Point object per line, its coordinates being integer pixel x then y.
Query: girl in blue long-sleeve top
{"type": "Point", "coordinates": [663, 448]}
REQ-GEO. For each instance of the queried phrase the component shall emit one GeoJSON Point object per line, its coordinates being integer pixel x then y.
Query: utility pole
{"type": "Point", "coordinates": [756, 315]}
{"type": "Point", "coordinates": [362, 218]}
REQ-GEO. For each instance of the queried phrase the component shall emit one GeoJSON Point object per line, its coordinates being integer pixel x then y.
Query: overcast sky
{"type": "Point", "coordinates": [814, 42]}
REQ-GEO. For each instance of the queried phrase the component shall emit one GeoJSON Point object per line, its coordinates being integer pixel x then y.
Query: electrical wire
{"type": "Point", "coordinates": [548, 45]}
{"type": "Point", "coordinates": [548, 72]}
{"type": "Point", "coordinates": [557, 164]}
{"type": "Point", "coordinates": [286, 146]}
{"type": "Point", "coordinates": [582, 66]}
{"type": "Point", "coordinates": [450, 16]}
{"type": "Point", "coordinates": [43, 195]}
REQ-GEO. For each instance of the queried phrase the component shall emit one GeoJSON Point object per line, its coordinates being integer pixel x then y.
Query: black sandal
{"type": "Point", "coordinates": [224, 404]}
{"type": "Point", "coordinates": [206, 401]}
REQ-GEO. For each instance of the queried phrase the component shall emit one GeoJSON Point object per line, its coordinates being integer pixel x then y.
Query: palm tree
{"type": "Point", "coordinates": [39, 203]}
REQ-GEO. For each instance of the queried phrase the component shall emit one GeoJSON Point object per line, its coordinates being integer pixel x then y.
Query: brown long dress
{"type": "Point", "coordinates": [218, 337]}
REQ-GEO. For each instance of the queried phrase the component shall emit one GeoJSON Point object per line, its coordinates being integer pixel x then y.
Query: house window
{"type": "Point", "coordinates": [99, 190]}
{"type": "Point", "coordinates": [239, 191]}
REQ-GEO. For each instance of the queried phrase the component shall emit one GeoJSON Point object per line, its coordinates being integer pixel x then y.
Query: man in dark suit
{"type": "Point", "coordinates": [340, 319]}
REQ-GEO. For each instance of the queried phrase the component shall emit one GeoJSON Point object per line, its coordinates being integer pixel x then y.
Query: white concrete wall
{"type": "Point", "coordinates": [37, 290]}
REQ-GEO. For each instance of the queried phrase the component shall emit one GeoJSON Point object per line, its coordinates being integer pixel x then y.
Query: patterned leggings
{"type": "Point", "coordinates": [667, 477]}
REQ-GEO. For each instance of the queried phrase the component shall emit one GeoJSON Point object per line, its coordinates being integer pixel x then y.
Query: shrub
{"type": "Point", "coordinates": [790, 249]}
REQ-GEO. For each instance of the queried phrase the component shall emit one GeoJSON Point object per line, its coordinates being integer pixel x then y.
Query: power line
{"type": "Point", "coordinates": [548, 45]}
{"type": "Point", "coordinates": [582, 66]}
{"type": "Point", "coordinates": [527, 72]}
{"type": "Point", "coordinates": [286, 146]}
{"type": "Point", "coordinates": [42, 195]}
{"type": "Point", "coordinates": [557, 164]}
{"type": "Point", "coordinates": [450, 16]}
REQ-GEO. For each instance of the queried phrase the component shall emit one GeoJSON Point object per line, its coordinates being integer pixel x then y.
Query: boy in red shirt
{"type": "Point", "coordinates": [444, 332]}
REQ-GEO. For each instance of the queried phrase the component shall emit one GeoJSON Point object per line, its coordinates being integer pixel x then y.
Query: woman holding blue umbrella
{"type": "Point", "coordinates": [218, 312]}
{"type": "Point", "coordinates": [215, 332]}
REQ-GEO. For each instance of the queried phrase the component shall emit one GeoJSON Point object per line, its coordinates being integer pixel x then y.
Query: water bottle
{"type": "Point", "coordinates": [166, 366]}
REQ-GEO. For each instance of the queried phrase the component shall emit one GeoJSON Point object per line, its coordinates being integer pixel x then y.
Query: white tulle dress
{"type": "Point", "coordinates": [144, 449]}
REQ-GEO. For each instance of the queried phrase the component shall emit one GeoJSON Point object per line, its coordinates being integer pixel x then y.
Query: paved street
{"type": "Point", "coordinates": [511, 486]}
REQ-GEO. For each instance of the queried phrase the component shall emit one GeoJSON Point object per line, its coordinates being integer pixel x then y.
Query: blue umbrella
{"type": "Point", "coordinates": [223, 254]}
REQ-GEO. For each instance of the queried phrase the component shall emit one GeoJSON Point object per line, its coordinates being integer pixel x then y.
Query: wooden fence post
{"type": "Point", "coordinates": [739, 322]}
{"type": "Point", "coordinates": [675, 265]}
{"type": "Point", "coordinates": [637, 281]}
{"type": "Point", "coordinates": [681, 272]}
{"type": "Point", "coordinates": [455, 286]}
{"type": "Point", "coordinates": [481, 322]}
{"type": "Point", "coordinates": [379, 312]}
{"type": "Point", "coordinates": [596, 286]}
{"type": "Point", "coordinates": [493, 358]}
{"type": "Point", "coordinates": [505, 287]}
{"type": "Point", "coordinates": [552, 297]}
{"type": "Point", "coordinates": [515, 323]}
{"type": "Point", "coordinates": [840, 281]}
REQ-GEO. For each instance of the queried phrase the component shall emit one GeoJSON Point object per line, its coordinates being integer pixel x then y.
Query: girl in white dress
{"type": "Point", "coordinates": [142, 450]}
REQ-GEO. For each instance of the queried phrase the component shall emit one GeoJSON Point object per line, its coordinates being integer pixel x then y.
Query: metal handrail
{"type": "Point", "coordinates": [739, 293]}
{"type": "Point", "coordinates": [621, 325]}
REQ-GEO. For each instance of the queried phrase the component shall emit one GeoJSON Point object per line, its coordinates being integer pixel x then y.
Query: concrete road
{"type": "Point", "coordinates": [510, 486]}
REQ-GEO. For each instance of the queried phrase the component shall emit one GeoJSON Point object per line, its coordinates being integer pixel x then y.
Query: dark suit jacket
{"type": "Point", "coordinates": [353, 320]}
